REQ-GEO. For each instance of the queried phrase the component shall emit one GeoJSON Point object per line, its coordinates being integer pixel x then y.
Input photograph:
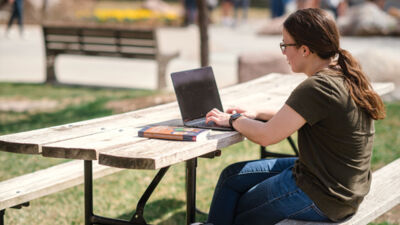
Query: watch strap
{"type": "Point", "coordinates": [233, 118]}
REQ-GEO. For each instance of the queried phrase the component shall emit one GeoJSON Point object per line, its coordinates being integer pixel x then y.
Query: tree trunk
{"type": "Point", "coordinates": [203, 26]}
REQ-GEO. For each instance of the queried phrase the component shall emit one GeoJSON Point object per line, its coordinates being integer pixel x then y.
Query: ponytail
{"type": "Point", "coordinates": [359, 87]}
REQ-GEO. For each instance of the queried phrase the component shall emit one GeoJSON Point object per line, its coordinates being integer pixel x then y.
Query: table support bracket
{"type": "Point", "coordinates": [265, 154]}
{"type": "Point", "coordinates": [137, 218]}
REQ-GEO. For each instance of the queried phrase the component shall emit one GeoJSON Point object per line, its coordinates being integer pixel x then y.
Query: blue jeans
{"type": "Point", "coordinates": [244, 4]}
{"type": "Point", "coordinates": [17, 13]}
{"type": "Point", "coordinates": [261, 192]}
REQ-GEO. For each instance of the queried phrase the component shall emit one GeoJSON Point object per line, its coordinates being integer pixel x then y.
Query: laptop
{"type": "Point", "coordinates": [197, 93]}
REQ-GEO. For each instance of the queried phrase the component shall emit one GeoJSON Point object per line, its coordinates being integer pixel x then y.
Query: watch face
{"type": "Point", "coordinates": [235, 116]}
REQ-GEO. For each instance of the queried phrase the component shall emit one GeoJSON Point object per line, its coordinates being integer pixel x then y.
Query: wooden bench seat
{"type": "Point", "coordinates": [383, 196]}
{"type": "Point", "coordinates": [103, 41]}
{"type": "Point", "coordinates": [18, 191]}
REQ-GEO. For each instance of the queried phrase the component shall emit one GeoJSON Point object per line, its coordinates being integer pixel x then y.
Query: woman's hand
{"type": "Point", "coordinates": [246, 113]}
{"type": "Point", "coordinates": [218, 117]}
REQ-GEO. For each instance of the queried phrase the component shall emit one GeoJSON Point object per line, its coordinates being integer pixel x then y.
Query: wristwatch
{"type": "Point", "coordinates": [233, 118]}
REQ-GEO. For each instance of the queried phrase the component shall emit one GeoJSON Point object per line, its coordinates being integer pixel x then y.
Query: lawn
{"type": "Point", "coordinates": [117, 195]}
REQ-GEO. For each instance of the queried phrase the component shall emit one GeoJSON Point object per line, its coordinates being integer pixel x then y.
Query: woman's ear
{"type": "Point", "coordinates": [305, 50]}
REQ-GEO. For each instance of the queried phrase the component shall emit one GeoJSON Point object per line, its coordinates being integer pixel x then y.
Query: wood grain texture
{"type": "Point", "coordinates": [31, 142]}
{"type": "Point", "coordinates": [384, 195]}
{"type": "Point", "coordinates": [47, 181]}
{"type": "Point", "coordinates": [156, 154]}
{"type": "Point", "coordinates": [86, 139]}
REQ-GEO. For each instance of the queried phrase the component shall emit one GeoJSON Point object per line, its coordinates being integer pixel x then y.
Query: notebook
{"type": "Point", "coordinates": [197, 93]}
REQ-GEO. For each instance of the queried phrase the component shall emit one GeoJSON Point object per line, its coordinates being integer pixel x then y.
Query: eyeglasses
{"type": "Point", "coordinates": [283, 46]}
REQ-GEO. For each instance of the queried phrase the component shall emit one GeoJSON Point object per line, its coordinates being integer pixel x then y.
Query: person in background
{"type": "Point", "coordinates": [395, 12]}
{"type": "Point", "coordinates": [190, 12]}
{"type": "Point", "coordinates": [227, 12]}
{"type": "Point", "coordinates": [2, 3]}
{"type": "Point", "coordinates": [337, 7]}
{"type": "Point", "coordinates": [211, 5]}
{"type": "Point", "coordinates": [244, 6]}
{"type": "Point", "coordinates": [379, 3]}
{"type": "Point", "coordinates": [333, 112]}
{"type": "Point", "coordinates": [278, 7]}
{"type": "Point", "coordinates": [17, 13]}
{"type": "Point", "coordinates": [390, 9]}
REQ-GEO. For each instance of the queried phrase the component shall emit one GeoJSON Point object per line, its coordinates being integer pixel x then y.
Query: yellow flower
{"type": "Point", "coordinates": [132, 14]}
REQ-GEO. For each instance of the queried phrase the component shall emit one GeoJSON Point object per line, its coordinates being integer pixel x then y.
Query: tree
{"type": "Point", "coordinates": [203, 27]}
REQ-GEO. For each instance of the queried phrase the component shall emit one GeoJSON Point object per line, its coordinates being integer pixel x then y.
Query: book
{"type": "Point", "coordinates": [174, 133]}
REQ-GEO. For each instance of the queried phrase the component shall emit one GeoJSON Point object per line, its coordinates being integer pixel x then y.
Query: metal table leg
{"type": "Point", "coordinates": [191, 190]}
{"type": "Point", "coordinates": [137, 218]}
{"type": "Point", "coordinates": [88, 174]}
{"type": "Point", "coordinates": [2, 212]}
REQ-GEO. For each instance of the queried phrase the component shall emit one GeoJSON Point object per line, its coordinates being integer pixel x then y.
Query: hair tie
{"type": "Point", "coordinates": [340, 53]}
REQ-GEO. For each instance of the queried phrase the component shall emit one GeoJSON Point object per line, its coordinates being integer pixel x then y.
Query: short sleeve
{"type": "Point", "coordinates": [312, 99]}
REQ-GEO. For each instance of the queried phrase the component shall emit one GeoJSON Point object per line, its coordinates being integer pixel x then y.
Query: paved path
{"type": "Point", "coordinates": [22, 60]}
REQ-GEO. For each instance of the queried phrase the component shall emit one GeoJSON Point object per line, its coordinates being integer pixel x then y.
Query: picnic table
{"type": "Point", "coordinates": [113, 140]}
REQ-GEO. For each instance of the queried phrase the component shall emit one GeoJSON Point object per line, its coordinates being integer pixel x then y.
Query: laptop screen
{"type": "Point", "coordinates": [196, 92]}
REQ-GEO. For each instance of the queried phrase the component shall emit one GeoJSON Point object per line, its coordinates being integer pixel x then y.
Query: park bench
{"type": "Point", "coordinates": [103, 41]}
{"type": "Point", "coordinates": [109, 141]}
{"type": "Point", "coordinates": [19, 191]}
{"type": "Point", "coordinates": [383, 195]}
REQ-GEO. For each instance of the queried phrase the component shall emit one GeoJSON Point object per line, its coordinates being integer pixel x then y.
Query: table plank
{"type": "Point", "coordinates": [89, 146]}
{"type": "Point", "coordinates": [90, 136]}
{"type": "Point", "coordinates": [156, 154]}
{"type": "Point", "coordinates": [31, 142]}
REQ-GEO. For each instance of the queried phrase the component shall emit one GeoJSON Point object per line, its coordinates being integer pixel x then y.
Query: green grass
{"type": "Point", "coordinates": [117, 195]}
{"type": "Point", "coordinates": [73, 104]}
{"type": "Point", "coordinates": [387, 139]}
{"type": "Point", "coordinates": [383, 223]}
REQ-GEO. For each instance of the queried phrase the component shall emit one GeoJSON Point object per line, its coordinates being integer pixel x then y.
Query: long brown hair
{"type": "Point", "coordinates": [314, 29]}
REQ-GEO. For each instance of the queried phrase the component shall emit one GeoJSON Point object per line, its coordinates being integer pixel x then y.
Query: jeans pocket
{"type": "Point", "coordinates": [318, 211]}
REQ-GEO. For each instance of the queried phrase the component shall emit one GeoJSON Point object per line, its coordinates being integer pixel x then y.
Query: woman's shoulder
{"type": "Point", "coordinates": [328, 77]}
{"type": "Point", "coordinates": [325, 82]}
{"type": "Point", "coordinates": [319, 79]}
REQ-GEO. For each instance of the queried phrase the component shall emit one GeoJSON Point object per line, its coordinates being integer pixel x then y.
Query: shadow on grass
{"type": "Point", "coordinates": [68, 115]}
{"type": "Point", "coordinates": [155, 210]}
{"type": "Point", "coordinates": [176, 219]}
{"type": "Point", "coordinates": [179, 218]}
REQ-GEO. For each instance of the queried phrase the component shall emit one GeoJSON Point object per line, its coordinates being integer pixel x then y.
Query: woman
{"type": "Point", "coordinates": [332, 110]}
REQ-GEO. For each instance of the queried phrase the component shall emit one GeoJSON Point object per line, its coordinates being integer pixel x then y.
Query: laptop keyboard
{"type": "Point", "coordinates": [201, 123]}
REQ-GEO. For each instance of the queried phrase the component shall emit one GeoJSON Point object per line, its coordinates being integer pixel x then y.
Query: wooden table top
{"type": "Point", "coordinates": [114, 142]}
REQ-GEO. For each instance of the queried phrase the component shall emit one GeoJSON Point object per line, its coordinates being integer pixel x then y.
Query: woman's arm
{"type": "Point", "coordinates": [265, 114]}
{"type": "Point", "coordinates": [283, 124]}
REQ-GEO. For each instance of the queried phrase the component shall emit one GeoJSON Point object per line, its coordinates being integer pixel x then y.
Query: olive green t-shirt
{"type": "Point", "coordinates": [335, 145]}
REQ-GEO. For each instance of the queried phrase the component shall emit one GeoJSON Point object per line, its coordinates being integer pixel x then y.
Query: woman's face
{"type": "Point", "coordinates": [293, 54]}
